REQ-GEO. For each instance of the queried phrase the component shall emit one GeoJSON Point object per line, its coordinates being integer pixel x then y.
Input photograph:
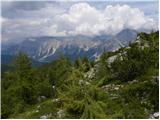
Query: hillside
{"type": "Point", "coordinates": [123, 84]}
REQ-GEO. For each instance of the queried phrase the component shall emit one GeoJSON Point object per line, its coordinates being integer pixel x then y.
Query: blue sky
{"type": "Point", "coordinates": [23, 19]}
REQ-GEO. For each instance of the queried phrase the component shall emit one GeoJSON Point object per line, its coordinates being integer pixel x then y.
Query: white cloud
{"type": "Point", "coordinates": [85, 19]}
{"type": "Point", "coordinates": [80, 18]}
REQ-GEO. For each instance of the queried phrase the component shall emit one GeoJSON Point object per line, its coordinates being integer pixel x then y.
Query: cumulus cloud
{"type": "Point", "coordinates": [78, 19]}
{"type": "Point", "coordinates": [85, 19]}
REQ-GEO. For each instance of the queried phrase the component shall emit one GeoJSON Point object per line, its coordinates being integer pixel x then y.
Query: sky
{"type": "Point", "coordinates": [22, 19]}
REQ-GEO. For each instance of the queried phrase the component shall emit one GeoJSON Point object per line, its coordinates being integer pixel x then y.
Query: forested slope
{"type": "Point", "coordinates": [120, 84]}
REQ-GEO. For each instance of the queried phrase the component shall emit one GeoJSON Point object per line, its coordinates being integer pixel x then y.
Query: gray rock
{"type": "Point", "coordinates": [60, 114]}
{"type": "Point", "coordinates": [41, 98]}
{"type": "Point", "coordinates": [116, 88]}
{"type": "Point", "coordinates": [43, 117]}
{"type": "Point", "coordinates": [37, 111]}
{"type": "Point", "coordinates": [56, 100]}
{"type": "Point", "coordinates": [156, 114]}
{"type": "Point", "coordinates": [156, 79]}
{"type": "Point", "coordinates": [38, 106]}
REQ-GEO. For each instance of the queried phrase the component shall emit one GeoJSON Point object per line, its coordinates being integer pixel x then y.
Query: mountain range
{"type": "Point", "coordinates": [49, 48]}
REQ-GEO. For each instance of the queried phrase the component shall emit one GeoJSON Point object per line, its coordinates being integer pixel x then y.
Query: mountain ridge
{"type": "Point", "coordinates": [48, 48]}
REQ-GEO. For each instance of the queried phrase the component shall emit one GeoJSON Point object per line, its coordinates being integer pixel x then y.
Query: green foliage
{"type": "Point", "coordinates": [89, 103]}
{"type": "Point", "coordinates": [22, 64]}
{"type": "Point", "coordinates": [103, 72]}
{"type": "Point", "coordinates": [136, 60]}
{"type": "Point", "coordinates": [44, 88]}
{"type": "Point", "coordinates": [125, 88]}
{"type": "Point", "coordinates": [83, 64]}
